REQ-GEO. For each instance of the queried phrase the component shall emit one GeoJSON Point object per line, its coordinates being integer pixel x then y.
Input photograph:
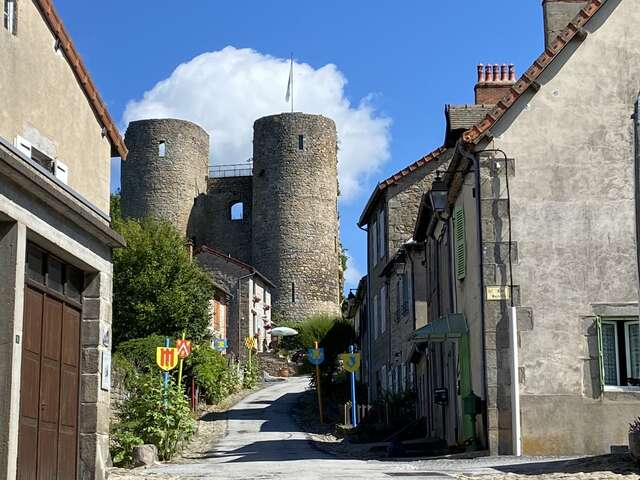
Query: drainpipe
{"type": "Point", "coordinates": [516, 427]}
{"type": "Point", "coordinates": [636, 117]}
{"type": "Point", "coordinates": [475, 161]}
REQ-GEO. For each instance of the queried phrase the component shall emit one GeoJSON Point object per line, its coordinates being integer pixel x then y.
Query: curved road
{"type": "Point", "coordinates": [262, 441]}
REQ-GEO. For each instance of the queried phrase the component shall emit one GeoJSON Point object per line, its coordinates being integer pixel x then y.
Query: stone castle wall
{"type": "Point", "coordinates": [218, 230]}
{"type": "Point", "coordinates": [295, 218]}
{"type": "Point", "coordinates": [289, 231]}
{"type": "Point", "coordinates": [164, 187]}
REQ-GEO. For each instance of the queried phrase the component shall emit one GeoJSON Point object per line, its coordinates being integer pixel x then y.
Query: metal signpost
{"type": "Point", "coordinates": [351, 363]}
{"type": "Point", "coordinates": [316, 357]}
{"type": "Point", "coordinates": [167, 359]}
{"type": "Point", "coordinates": [184, 350]}
{"type": "Point", "coordinates": [250, 343]}
{"type": "Point", "coordinates": [220, 344]}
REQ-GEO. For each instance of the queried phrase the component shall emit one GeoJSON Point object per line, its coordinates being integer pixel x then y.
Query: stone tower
{"type": "Point", "coordinates": [165, 171]}
{"type": "Point", "coordinates": [295, 218]}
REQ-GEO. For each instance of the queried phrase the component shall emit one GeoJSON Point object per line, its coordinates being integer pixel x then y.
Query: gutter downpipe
{"type": "Point", "coordinates": [636, 117]}
{"type": "Point", "coordinates": [475, 161]}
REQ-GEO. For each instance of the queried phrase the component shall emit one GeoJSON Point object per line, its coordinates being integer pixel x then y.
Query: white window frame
{"type": "Point", "coordinates": [9, 10]}
{"type": "Point", "coordinates": [615, 331]}
{"type": "Point", "coordinates": [627, 345]}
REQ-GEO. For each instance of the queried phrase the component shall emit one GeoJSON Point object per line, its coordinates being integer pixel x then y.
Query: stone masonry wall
{"type": "Point", "coordinates": [164, 187]}
{"type": "Point", "coordinates": [217, 229]}
{"type": "Point", "coordinates": [295, 219]}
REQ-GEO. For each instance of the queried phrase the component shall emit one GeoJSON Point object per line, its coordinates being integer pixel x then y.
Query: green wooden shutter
{"type": "Point", "coordinates": [459, 243]}
{"type": "Point", "coordinates": [600, 352]}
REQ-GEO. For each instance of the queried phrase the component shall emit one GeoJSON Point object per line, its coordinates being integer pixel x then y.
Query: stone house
{"type": "Point", "coordinates": [56, 144]}
{"type": "Point", "coordinates": [541, 197]}
{"type": "Point", "coordinates": [389, 218]}
{"type": "Point", "coordinates": [248, 311]}
{"type": "Point", "coordinates": [220, 311]}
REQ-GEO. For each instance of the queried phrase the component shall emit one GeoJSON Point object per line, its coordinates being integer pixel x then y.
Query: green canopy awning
{"type": "Point", "coordinates": [450, 326]}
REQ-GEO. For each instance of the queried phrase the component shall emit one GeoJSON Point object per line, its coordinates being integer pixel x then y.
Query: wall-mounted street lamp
{"type": "Point", "coordinates": [400, 266]}
{"type": "Point", "coordinates": [438, 196]}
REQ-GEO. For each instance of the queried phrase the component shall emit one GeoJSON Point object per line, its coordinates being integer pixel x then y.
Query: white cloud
{"type": "Point", "coordinates": [227, 90]}
{"type": "Point", "coordinates": [351, 275]}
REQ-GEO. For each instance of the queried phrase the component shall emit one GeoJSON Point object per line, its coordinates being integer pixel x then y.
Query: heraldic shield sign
{"type": "Point", "coordinates": [315, 356]}
{"type": "Point", "coordinates": [167, 358]}
{"type": "Point", "coordinates": [350, 361]}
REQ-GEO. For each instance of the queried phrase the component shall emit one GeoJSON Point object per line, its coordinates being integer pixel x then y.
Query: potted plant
{"type": "Point", "coordinates": [634, 439]}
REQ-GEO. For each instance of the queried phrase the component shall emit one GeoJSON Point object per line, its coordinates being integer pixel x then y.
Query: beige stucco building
{"type": "Point", "coordinates": [542, 203]}
{"type": "Point", "coordinates": [56, 142]}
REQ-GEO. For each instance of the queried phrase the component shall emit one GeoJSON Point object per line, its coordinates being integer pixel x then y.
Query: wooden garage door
{"type": "Point", "coordinates": [47, 444]}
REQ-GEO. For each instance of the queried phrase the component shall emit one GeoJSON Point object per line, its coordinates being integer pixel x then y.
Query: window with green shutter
{"type": "Point", "coordinates": [459, 243]}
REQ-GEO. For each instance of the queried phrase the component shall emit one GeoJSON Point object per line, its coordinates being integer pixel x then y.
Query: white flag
{"type": "Point", "coordinates": [290, 83]}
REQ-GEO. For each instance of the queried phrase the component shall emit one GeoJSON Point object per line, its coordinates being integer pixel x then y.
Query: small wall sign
{"type": "Point", "coordinates": [500, 292]}
{"type": "Point", "coordinates": [105, 377]}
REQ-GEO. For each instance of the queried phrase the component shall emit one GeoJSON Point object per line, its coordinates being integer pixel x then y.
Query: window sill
{"type": "Point", "coordinates": [621, 389]}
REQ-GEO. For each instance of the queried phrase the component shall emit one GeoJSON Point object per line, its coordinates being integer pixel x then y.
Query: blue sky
{"type": "Point", "coordinates": [407, 59]}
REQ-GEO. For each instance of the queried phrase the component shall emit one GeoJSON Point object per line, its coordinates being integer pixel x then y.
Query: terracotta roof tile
{"type": "Point", "coordinates": [529, 77]}
{"type": "Point", "coordinates": [396, 177]}
{"type": "Point", "coordinates": [82, 74]}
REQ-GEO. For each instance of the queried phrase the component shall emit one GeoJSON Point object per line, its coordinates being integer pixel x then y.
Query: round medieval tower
{"type": "Point", "coordinates": [295, 218]}
{"type": "Point", "coordinates": [166, 169]}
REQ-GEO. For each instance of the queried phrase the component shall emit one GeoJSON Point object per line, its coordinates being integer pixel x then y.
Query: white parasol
{"type": "Point", "coordinates": [283, 332]}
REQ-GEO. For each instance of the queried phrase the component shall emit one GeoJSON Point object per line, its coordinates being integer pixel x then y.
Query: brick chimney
{"type": "Point", "coordinates": [557, 16]}
{"type": "Point", "coordinates": [494, 82]}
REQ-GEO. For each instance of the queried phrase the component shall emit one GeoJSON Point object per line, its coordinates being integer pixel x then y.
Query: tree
{"type": "Point", "coordinates": [157, 289]}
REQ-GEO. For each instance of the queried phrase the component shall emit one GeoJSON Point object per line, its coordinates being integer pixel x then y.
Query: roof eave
{"type": "Point", "coordinates": [575, 29]}
{"type": "Point", "coordinates": [81, 73]}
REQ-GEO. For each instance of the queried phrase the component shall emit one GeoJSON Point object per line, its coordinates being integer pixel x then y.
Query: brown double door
{"type": "Point", "coordinates": [48, 437]}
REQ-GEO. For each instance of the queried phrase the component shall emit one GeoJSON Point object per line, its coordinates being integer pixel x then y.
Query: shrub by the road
{"type": "Point", "coordinates": [144, 417]}
{"type": "Point", "coordinates": [212, 374]}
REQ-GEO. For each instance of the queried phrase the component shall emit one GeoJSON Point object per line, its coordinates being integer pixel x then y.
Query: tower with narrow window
{"type": "Point", "coordinates": [295, 218]}
{"type": "Point", "coordinates": [165, 171]}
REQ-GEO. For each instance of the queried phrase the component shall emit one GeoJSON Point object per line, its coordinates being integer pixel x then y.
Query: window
{"type": "Point", "coordinates": [381, 237]}
{"type": "Point", "coordinates": [293, 292]}
{"type": "Point", "coordinates": [46, 270]}
{"type": "Point", "coordinates": [300, 142]}
{"type": "Point", "coordinates": [237, 211]}
{"type": "Point", "coordinates": [374, 243]}
{"type": "Point", "coordinates": [402, 293]}
{"type": "Point", "coordinates": [383, 309]}
{"type": "Point", "coordinates": [10, 16]}
{"type": "Point", "coordinates": [459, 243]}
{"type": "Point", "coordinates": [162, 149]}
{"type": "Point", "coordinates": [375, 316]}
{"type": "Point", "coordinates": [619, 352]}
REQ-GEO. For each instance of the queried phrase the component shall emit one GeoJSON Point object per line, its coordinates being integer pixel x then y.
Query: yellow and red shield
{"type": "Point", "coordinates": [167, 358]}
{"type": "Point", "coordinates": [184, 348]}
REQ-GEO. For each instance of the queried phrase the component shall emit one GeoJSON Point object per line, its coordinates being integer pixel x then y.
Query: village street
{"type": "Point", "coordinates": [262, 441]}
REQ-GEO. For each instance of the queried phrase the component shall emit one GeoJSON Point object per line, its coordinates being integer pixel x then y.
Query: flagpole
{"type": "Point", "coordinates": [291, 82]}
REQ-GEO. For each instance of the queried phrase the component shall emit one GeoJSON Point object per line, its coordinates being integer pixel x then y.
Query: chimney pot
{"type": "Point", "coordinates": [494, 81]}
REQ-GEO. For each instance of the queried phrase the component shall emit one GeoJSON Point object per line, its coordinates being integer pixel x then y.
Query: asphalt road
{"type": "Point", "coordinates": [262, 441]}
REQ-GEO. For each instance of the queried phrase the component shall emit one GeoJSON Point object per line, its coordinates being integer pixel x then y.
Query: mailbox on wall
{"type": "Point", "coordinates": [441, 396]}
